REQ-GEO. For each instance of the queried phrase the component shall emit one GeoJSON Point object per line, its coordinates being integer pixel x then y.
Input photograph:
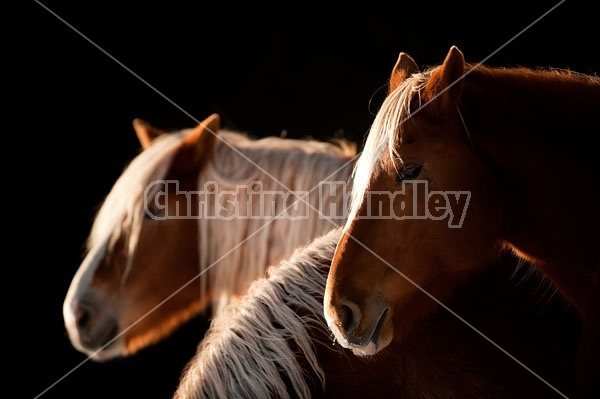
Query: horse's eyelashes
{"type": "Point", "coordinates": [408, 172]}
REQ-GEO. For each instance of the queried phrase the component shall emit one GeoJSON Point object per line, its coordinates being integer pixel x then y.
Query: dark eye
{"type": "Point", "coordinates": [410, 171]}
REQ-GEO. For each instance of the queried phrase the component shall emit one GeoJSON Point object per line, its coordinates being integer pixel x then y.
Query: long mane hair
{"type": "Point", "coordinates": [274, 342]}
{"type": "Point", "coordinates": [277, 311]}
{"type": "Point", "coordinates": [284, 165]}
{"type": "Point", "coordinates": [298, 164]}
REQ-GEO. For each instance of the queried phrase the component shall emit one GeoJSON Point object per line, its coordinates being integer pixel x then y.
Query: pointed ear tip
{"type": "Point", "coordinates": [139, 122]}
{"type": "Point", "coordinates": [404, 60]}
{"type": "Point", "coordinates": [455, 50]}
{"type": "Point", "coordinates": [404, 56]}
{"type": "Point", "coordinates": [214, 118]}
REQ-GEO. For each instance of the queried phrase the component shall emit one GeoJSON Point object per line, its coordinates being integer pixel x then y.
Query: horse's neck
{"type": "Point", "coordinates": [532, 132]}
{"type": "Point", "coordinates": [549, 111]}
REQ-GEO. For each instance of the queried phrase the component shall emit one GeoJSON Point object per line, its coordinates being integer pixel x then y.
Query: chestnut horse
{"type": "Point", "coordinates": [274, 342]}
{"type": "Point", "coordinates": [474, 161]}
{"type": "Point", "coordinates": [159, 253]}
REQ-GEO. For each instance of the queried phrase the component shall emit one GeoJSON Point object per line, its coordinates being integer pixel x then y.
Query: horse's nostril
{"type": "Point", "coordinates": [349, 315]}
{"type": "Point", "coordinates": [95, 327]}
{"type": "Point", "coordinates": [345, 317]}
{"type": "Point", "coordinates": [82, 317]}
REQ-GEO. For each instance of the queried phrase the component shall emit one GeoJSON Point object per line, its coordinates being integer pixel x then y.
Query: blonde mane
{"type": "Point", "coordinates": [299, 164]}
{"type": "Point", "coordinates": [385, 132]}
{"type": "Point", "coordinates": [246, 352]}
{"type": "Point", "coordinates": [386, 129]}
{"type": "Point", "coordinates": [122, 211]}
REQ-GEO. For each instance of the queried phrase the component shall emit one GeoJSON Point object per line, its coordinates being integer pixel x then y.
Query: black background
{"type": "Point", "coordinates": [310, 70]}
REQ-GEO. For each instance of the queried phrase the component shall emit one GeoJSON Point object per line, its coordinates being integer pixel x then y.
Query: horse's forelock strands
{"type": "Point", "coordinates": [123, 208]}
{"type": "Point", "coordinates": [246, 353]}
{"type": "Point", "coordinates": [384, 134]}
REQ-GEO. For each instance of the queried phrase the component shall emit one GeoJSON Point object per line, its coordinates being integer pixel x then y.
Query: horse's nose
{"type": "Point", "coordinates": [95, 328]}
{"type": "Point", "coordinates": [349, 315]}
{"type": "Point", "coordinates": [82, 315]}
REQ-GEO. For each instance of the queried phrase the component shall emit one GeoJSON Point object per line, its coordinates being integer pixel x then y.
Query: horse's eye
{"type": "Point", "coordinates": [408, 172]}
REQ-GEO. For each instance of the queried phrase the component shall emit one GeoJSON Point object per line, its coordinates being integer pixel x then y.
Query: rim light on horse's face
{"type": "Point", "coordinates": [491, 161]}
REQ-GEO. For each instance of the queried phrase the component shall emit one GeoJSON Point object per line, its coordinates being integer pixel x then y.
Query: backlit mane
{"type": "Point", "coordinates": [122, 211]}
{"type": "Point", "coordinates": [299, 164]}
{"type": "Point", "coordinates": [296, 163]}
{"type": "Point", "coordinates": [384, 133]}
{"type": "Point", "coordinates": [242, 353]}
{"type": "Point", "coordinates": [386, 130]}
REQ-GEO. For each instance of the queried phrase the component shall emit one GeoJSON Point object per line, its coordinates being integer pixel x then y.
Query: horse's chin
{"type": "Point", "coordinates": [109, 351]}
{"type": "Point", "coordinates": [112, 351]}
{"type": "Point", "coordinates": [99, 349]}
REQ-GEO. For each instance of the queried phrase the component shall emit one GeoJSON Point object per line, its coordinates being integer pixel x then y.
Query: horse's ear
{"type": "Point", "coordinates": [198, 146]}
{"type": "Point", "coordinates": [446, 84]}
{"type": "Point", "coordinates": [145, 132]}
{"type": "Point", "coordinates": [405, 66]}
